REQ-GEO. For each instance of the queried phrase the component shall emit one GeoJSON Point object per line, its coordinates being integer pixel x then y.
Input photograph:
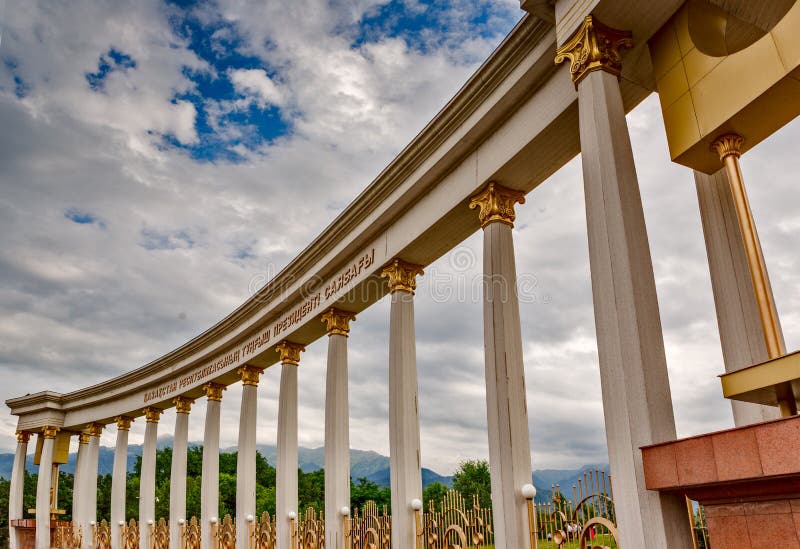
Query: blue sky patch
{"type": "Point", "coordinates": [109, 62]}
{"type": "Point", "coordinates": [82, 217]}
{"type": "Point", "coordinates": [428, 25]}
{"type": "Point", "coordinates": [222, 126]}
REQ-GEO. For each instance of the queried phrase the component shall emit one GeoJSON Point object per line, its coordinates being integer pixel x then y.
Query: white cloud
{"type": "Point", "coordinates": [256, 82]}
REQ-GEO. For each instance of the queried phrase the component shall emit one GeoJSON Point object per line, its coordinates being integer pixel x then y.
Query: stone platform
{"type": "Point", "coordinates": [748, 480]}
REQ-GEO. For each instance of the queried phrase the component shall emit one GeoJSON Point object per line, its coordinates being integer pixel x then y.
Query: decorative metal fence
{"type": "Point", "coordinates": [369, 530]}
{"type": "Point", "coordinates": [584, 520]}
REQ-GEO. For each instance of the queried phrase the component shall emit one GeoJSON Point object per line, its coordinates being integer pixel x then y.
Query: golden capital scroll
{"type": "Point", "coordinates": [123, 423]}
{"type": "Point", "coordinates": [94, 429]}
{"type": "Point", "coordinates": [83, 438]}
{"type": "Point", "coordinates": [338, 321]}
{"type": "Point", "coordinates": [290, 352]}
{"type": "Point", "coordinates": [594, 47]}
{"type": "Point", "coordinates": [23, 437]}
{"type": "Point", "coordinates": [48, 431]}
{"type": "Point", "coordinates": [213, 391]}
{"type": "Point", "coordinates": [728, 145]}
{"type": "Point", "coordinates": [402, 275]}
{"type": "Point", "coordinates": [152, 414]}
{"type": "Point", "coordinates": [183, 405]}
{"type": "Point", "coordinates": [496, 203]}
{"type": "Point", "coordinates": [250, 374]}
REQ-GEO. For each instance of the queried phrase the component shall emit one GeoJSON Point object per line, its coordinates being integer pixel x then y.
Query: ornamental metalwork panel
{"type": "Point", "coordinates": [457, 526]}
{"type": "Point", "coordinates": [311, 531]}
{"type": "Point", "coordinates": [226, 534]}
{"type": "Point", "coordinates": [264, 532]}
{"type": "Point", "coordinates": [586, 521]}
{"type": "Point", "coordinates": [65, 536]}
{"type": "Point", "coordinates": [159, 535]}
{"type": "Point", "coordinates": [102, 535]}
{"type": "Point", "coordinates": [370, 530]}
{"type": "Point", "coordinates": [130, 535]}
{"type": "Point", "coordinates": [190, 534]}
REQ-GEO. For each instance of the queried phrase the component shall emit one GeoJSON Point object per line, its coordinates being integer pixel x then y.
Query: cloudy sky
{"type": "Point", "coordinates": [160, 158]}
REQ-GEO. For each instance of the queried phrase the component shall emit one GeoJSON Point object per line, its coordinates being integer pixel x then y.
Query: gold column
{"type": "Point", "coordinates": [729, 148]}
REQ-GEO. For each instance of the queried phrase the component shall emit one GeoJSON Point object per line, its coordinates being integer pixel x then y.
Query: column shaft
{"type": "Point", "coordinates": [636, 397]}
{"type": "Point", "coordinates": [89, 488]}
{"type": "Point", "coordinates": [147, 482]}
{"type": "Point", "coordinates": [246, 463]}
{"type": "Point", "coordinates": [209, 487]}
{"type": "Point", "coordinates": [119, 479]}
{"type": "Point", "coordinates": [740, 329]}
{"type": "Point", "coordinates": [286, 470]}
{"type": "Point", "coordinates": [404, 442]}
{"type": "Point", "coordinates": [177, 487]}
{"type": "Point", "coordinates": [43, 487]}
{"type": "Point", "coordinates": [78, 504]}
{"type": "Point", "coordinates": [16, 494]}
{"type": "Point", "coordinates": [337, 441]}
{"type": "Point", "coordinates": [506, 404]}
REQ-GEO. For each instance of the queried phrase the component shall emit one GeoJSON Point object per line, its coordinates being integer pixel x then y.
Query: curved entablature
{"type": "Point", "coordinates": [517, 111]}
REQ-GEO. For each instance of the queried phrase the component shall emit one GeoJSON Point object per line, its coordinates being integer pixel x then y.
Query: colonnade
{"type": "Point", "coordinates": [635, 386]}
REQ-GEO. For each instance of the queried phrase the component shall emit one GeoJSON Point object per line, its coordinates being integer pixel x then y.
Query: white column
{"type": "Point", "coordinates": [177, 486]}
{"type": "Point", "coordinates": [506, 402]}
{"type": "Point", "coordinates": [337, 427]}
{"type": "Point", "coordinates": [404, 445]}
{"type": "Point", "coordinates": [78, 504]}
{"type": "Point", "coordinates": [633, 371]}
{"type": "Point", "coordinates": [44, 485]}
{"type": "Point", "coordinates": [147, 479]}
{"type": "Point", "coordinates": [209, 483]}
{"type": "Point", "coordinates": [16, 495]}
{"type": "Point", "coordinates": [89, 483]}
{"type": "Point", "coordinates": [740, 331]}
{"type": "Point", "coordinates": [286, 469]}
{"type": "Point", "coordinates": [119, 479]}
{"type": "Point", "coordinates": [246, 454]}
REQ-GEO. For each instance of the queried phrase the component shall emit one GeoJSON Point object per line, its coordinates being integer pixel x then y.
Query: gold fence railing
{"type": "Point", "coordinates": [584, 519]}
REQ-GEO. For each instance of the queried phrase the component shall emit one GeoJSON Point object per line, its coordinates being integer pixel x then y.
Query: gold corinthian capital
{"type": "Point", "coordinates": [250, 375]}
{"type": "Point", "coordinates": [594, 47]}
{"type": "Point", "coordinates": [83, 438]}
{"type": "Point", "coordinates": [123, 423]}
{"type": "Point", "coordinates": [728, 145]}
{"type": "Point", "coordinates": [152, 414]}
{"type": "Point", "coordinates": [213, 391]}
{"type": "Point", "coordinates": [290, 352]}
{"type": "Point", "coordinates": [23, 437]}
{"type": "Point", "coordinates": [337, 321]}
{"type": "Point", "coordinates": [183, 404]}
{"type": "Point", "coordinates": [94, 429]}
{"type": "Point", "coordinates": [402, 275]}
{"type": "Point", "coordinates": [48, 431]}
{"type": "Point", "coordinates": [496, 203]}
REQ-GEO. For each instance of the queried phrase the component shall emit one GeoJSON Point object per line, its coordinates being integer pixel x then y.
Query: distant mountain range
{"type": "Point", "coordinates": [367, 464]}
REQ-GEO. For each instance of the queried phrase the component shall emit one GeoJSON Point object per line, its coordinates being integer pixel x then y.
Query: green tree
{"type": "Point", "coordinates": [364, 490]}
{"type": "Point", "coordinates": [434, 492]}
{"type": "Point", "coordinates": [473, 479]}
{"type": "Point", "coordinates": [311, 490]}
{"type": "Point", "coordinates": [5, 490]}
